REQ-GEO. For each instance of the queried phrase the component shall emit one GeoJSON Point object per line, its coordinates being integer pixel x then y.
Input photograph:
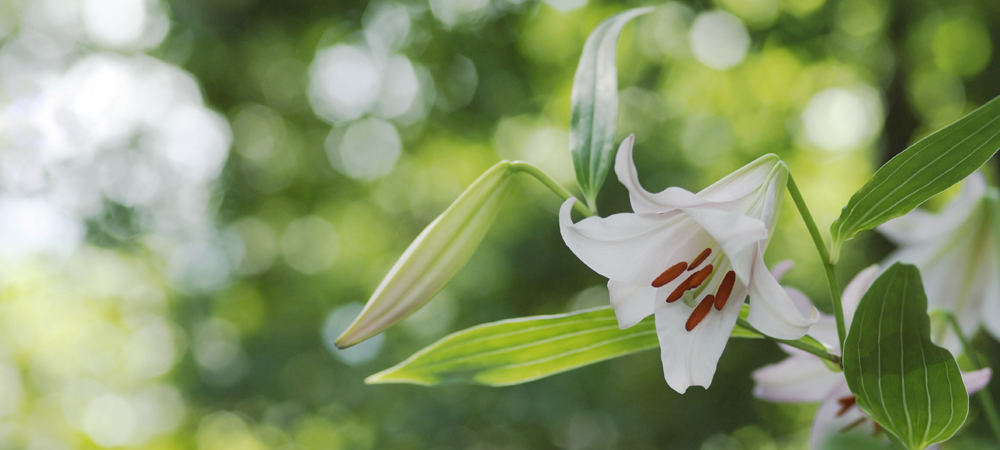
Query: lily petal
{"type": "Point", "coordinates": [977, 379]}
{"type": "Point", "coordinates": [921, 226]}
{"type": "Point", "coordinates": [827, 422]}
{"type": "Point", "coordinates": [771, 310]}
{"type": "Point", "coordinates": [735, 186]}
{"type": "Point", "coordinates": [798, 379]}
{"type": "Point", "coordinates": [625, 247]}
{"type": "Point", "coordinates": [644, 202]}
{"type": "Point", "coordinates": [632, 303]}
{"type": "Point", "coordinates": [736, 233]}
{"type": "Point", "coordinates": [856, 289]}
{"type": "Point", "coordinates": [691, 357]}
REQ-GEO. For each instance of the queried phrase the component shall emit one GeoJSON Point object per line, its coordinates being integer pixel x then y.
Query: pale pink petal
{"type": "Point", "coordinates": [780, 269]}
{"type": "Point", "coordinates": [977, 379]}
{"type": "Point", "coordinates": [856, 289]}
{"type": "Point", "coordinates": [797, 379]}
{"type": "Point", "coordinates": [827, 423]}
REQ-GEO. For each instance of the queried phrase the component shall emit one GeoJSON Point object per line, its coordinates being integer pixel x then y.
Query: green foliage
{"type": "Point", "coordinates": [520, 350]}
{"type": "Point", "coordinates": [920, 172]}
{"type": "Point", "coordinates": [594, 105]}
{"type": "Point", "coordinates": [907, 384]}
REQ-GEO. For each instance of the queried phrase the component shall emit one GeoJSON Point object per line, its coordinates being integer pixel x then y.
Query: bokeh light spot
{"type": "Point", "coordinates": [310, 244]}
{"type": "Point", "coordinates": [719, 40]}
{"type": "Point", "coordinates": [344, 82]}
{"type": "Point", "coordinates": [840, 119]}
{"type": "Point", "coordinates": [109, 420]}
{"type": "Point", "coordinates": [368, 149]}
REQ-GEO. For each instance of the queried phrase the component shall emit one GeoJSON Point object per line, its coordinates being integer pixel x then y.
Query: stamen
{"type": "Point", "coordinates": [845, 404]}
{"type": "Point", "coordinates": [725, 289]}
{"type": "Point", "coordinates": [670, 274]}
{"type": "Point", "coordinates": [700, 258]}
{"type": "Point", "coordinates": [700, 312]}
{"type": "Point", "coordinates": [854, 424]}
{"type": "Point", "coordinates": [679, 291]}
{"type": "Point", "coordinates": [698, 277]}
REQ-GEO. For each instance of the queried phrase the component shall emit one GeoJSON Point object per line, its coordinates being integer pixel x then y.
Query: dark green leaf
{"type": "Point", "coordinates": [907, 384]}
{"type": "Point", "coordinates": [594, 105]}
{"type": "Point", "coordinates": [521, 350]}
{"type": "Point", "coordinates": [920, 172]}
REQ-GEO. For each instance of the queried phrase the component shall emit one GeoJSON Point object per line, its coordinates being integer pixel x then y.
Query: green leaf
{"type": "Point", "coordinates": [594, 105]}
{"type": "Point", "coordinates": [903, 381]}
{"type": "Point", "coordinates": [920, 172]}
{"type": "Point", "coordinates": [520, 350]}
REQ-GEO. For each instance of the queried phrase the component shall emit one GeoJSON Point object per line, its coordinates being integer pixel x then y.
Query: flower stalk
{"type": "Point", "coordinates": [793, 343]}
{"type": "Point", "coordinates": [828, 265]}
{"type": "Point", "coordinates": [544, 178]}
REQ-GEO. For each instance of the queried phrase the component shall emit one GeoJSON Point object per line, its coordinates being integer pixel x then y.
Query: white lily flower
{"type": "Point", "coordinates": [804, 378]}
{"type": "Point", "coordinates": [956, 252]}
{"type": "Point", "coordinates": [705, 249]}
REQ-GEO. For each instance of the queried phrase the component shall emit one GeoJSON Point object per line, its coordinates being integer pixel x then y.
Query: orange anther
{"type": "Point", "coordinates": [679, 291]}
{"type": "Point", "coordinates": [700, 312]}
{"type": "Point", "coordinates": [670, 274]}
{"type": "Point", "coordinates": [700, 258]}
{"type": "Point", "coordinates": [845, 404]}
{"type": "Point", "coordinates": [725, 289]}
{"type": "Point", "coordinates": [699, 277]}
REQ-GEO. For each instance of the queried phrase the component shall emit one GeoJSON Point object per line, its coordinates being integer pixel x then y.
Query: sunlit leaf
{"type": "Point", "coordinates": [903, 381]}
{"type": "Point", "coordinates": [520, 350]}
{"type": "Point", "coordinates": [594, 105]}
{"type": "Point", "coordinates": [920, 172]}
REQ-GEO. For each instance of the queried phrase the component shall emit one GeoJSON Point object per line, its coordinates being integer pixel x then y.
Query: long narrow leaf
{"type": "Point", "coordinates": [903, 381]}
{"type": "Point", "coordinates": [920, 172]}
{"type": "Point", "coordinates": [594, 105]}
{"type": "Point", "coordinates": [520, 350]}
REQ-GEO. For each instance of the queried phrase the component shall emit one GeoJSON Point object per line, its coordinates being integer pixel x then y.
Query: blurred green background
{"type": "Point", "coordinates": [197, 196]}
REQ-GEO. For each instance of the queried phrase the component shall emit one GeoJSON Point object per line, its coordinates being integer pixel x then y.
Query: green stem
{"type": "Point", "coordinates": [989, 408]}
{"type": "Point", "coordinates": [540, 175]}
{"type": "Point", "coordinates": [831, 274]}
{"type": "Point", "coordinates": [797, 344]}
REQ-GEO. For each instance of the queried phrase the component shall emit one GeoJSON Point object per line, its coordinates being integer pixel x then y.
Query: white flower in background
{"type": "Point", "coordinates": [705, 249]}
{"type": "Point", "coordinates": [805, 378]}
{"type": "Point", "coordinates": [956, 252]}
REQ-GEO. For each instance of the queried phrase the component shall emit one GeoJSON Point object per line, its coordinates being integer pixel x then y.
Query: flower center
{"type": "Point", "coordinates": [693, 281]}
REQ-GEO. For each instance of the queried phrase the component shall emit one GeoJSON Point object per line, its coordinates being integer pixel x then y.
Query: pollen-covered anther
{"type": "Point", "coordinates": [670, 274]}
{"type": "Point", "coordinates": [700, 312]}
{"type": "Point", "coordinates": [845, 404]}
{"type": "Point", "coordinates": [725, 290]}
{"type": "Point", "coordinates": [699, 259]}
{"type": "Point", "coordinates": [699, 277]}
{"type": "Point", "coordinates": [679, 291]}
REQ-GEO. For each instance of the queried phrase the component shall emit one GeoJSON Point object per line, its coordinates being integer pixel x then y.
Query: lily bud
{"type": "Point", "coordinates": [434, 257]}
